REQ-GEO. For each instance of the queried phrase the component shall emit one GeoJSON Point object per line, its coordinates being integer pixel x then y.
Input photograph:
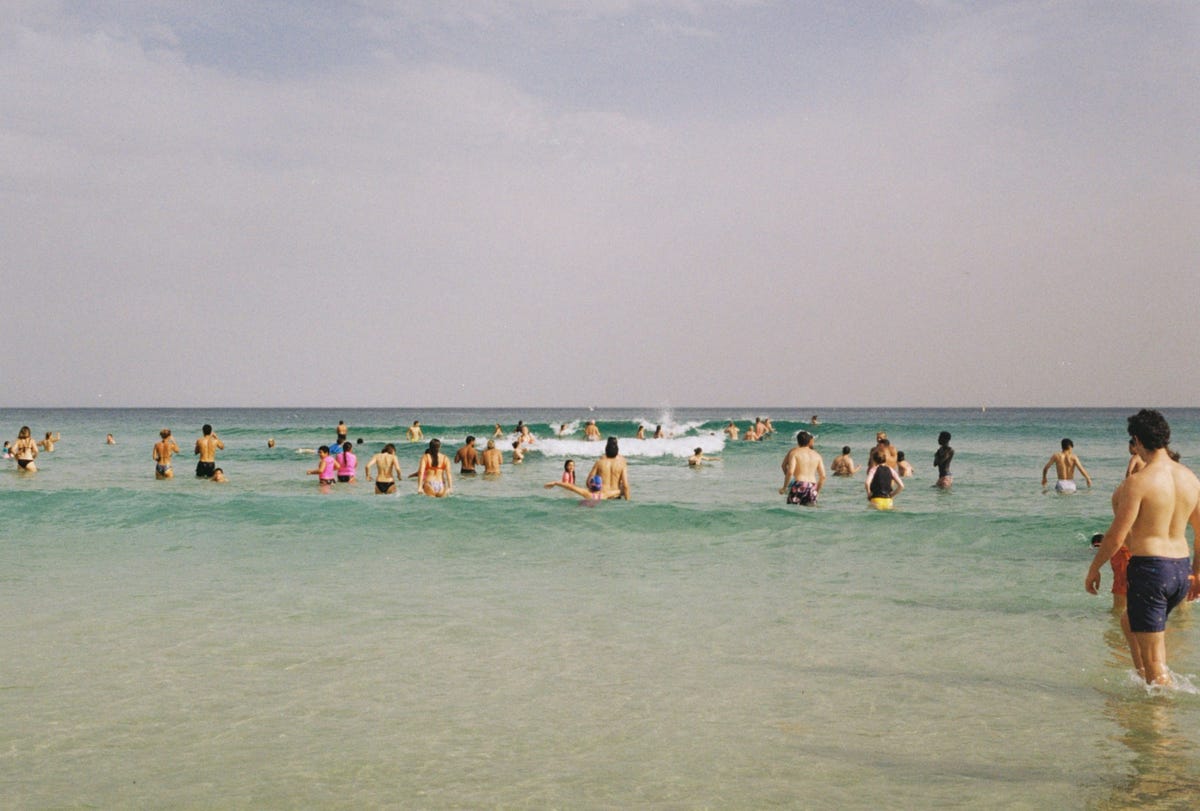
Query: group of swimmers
{"type": "Point", "coordinates": [804, 470]}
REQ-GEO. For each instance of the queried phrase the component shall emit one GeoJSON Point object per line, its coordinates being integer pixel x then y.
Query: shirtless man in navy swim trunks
{"type": "Point", "coordinates": [803, 472]}
{"type": "Point", "coordinates": [1151, 511]}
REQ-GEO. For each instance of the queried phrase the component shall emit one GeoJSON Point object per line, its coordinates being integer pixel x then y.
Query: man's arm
{"type": "Point", "coordinates": [820, 474]}
{"type": "Point", "coordinates": [1126, 503]}
{"type": "Point", "coordinates": [1046, 468]}
{"type": "Point", "coordinates": [1083, 470]}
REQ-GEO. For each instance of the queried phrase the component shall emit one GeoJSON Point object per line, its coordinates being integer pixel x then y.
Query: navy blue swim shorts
{"type": "Point", "coordinates": [1156, 585]}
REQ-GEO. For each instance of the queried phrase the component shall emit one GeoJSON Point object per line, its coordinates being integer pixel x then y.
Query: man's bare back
{"type": "Point", "coordinates": [614, 474]}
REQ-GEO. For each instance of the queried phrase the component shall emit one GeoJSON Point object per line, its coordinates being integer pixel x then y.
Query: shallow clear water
{"type": "Point", "coordinates": [259, 644]}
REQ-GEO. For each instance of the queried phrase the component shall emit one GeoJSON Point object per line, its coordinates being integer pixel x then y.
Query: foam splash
{"type": "Point", "coordinates": [679, 447]}
{"type": "Point", "coordinates": [1180, 684]}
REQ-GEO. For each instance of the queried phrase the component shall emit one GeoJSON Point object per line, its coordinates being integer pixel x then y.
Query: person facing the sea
{"type": "Point", "coordinates": [1152, 509]}
{"type": "Point", "coordinates": [1065, 463]}
{"type": "Point", "coordinates": [732, 431]}
{"type": "Point", "coordinates": [941, 460]}
{"type": "Point", "coordinates": [47, 444]}
{"type": "Point", "coordinates": [25, 450]}
{"type": "Point", "coordinates": [414, 432]}
{"type": "Point", "coordinates": [844, 465]}
{"type": "Point", "coordinates": [387, 468]}
{"type": "Point", "coordinates": [206, 448]}
{"type": "Point", "coordinates": [903, 465]}
{"type": "Point", "coordinates": [803, 472]}
{"type": "Point", "coordinates": [613, 471]}
{"type": "Point", "coordinates": [885, 446]}
{"type": "Point", "coordinates": [591, 432]}
{"type": "Point", "coordinates": [163, 449]}
{"type": "Point", "coordinates": [493, 459]}
{"type": "Point", "coordinates": [342, 432]}
{"type": "Point", "coordinates": [698, 457]}
{"type": "Point", "coordinates": [433, 475]}
{"type": "Point", "coordinates": [347, 463]}
{"type": "Point", "coordinates": [883, 483]}
{"type": "Point", "coordinates": [467, 457]}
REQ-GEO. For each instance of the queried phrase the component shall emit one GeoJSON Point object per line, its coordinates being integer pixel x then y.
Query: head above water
{"type": "Point", "coordinates": [1150, 428]}
{"type": "Point", "coordinates": [206, 430]}
{"type": "Point", "coordinates": [944, 438]}
{"type": "Point", "coordinates": [611, 450]}
{"type": "Point", "coordinates": [845, 450]}
{"type": "Point", "coordinates": [1067, 444]}
{"type": "Point", "coordinates": [804, 439]}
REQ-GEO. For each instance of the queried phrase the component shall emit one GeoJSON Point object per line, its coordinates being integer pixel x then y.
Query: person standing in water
{"type": "Point", "coordinates": [206, 448]}
{"type": "Point", "coordinates": [803, 472]}
{"type": "Point", "coordinates": [942, 459]}
{"type": "Point", "coordinates": [163, 449]}
{"type": "Point", "coordinates": [1152, 509]}
{"type": "Point", "coordinates": [613, 471]}
{"type": "Point", "coordinates": [433, 474]}
{"type": "Point", "coordinates": [1065, 463]}
{"type": "Point", "coordinates": [25, 450]}
{"type": "Point", "coordinates": [387, 469]}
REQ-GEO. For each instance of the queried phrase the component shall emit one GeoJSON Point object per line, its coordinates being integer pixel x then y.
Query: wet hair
{"type": "Point", "coordinates": [470, 439]}
{"type": "Point", "coordinates": [435, 447]}
{"type": "Point", "coordinates": [899, 456]}
{"type": "Point", "coordinates": [944, 438]}
{"type": "Point", "coordinates": [323, 449]}
{"type": "Point", "coordinates": [610, 448]}
{"type": "Point", "coordinates": [347, 447]}
{"type": "Point", "coordinates": [1067, 444]}
{"type": "Point", "coordinates": [23, 433]}
{"type": "Point", "coordinates": [803, 438]}
{"type": "Point", "coordinates": [567, 464]}
{"type": "Point", "coordinates": [389, 448]}
{"type": "Point", "coordinates": [699, 451]}
{"type": "Point", "coordinates": [845, 449]}
{"type": "Point", "coordinates": [1150, 428]}
{"type": "Point", "coordinates": [491, 444]}
{"type": "Point", "coordinates": [164, 433]}
{"type": "Point", "coordinates": [877, 456]}
{"type": "Point", "coordinates": [206, 430]}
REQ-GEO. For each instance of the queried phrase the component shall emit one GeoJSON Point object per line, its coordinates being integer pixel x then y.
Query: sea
{"type": "Point", "coordinates": [261, 644]}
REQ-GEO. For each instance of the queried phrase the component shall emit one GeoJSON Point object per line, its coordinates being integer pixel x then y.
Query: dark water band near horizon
{"type": "Point", "coordinates": [259, 644]}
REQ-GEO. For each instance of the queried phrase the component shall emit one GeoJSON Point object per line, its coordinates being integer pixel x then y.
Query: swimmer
{"type": "Point", "coordinates": [593, 492]}
{"type": "Point", "coordinates": [731, 430]}
{"type": "Point", "coordinates": [591, 432]}
{"type": "Point", "coordinates": [844, 465]}
{"type": "Point", "coordinates": [883, 483]}
{"type": "Point", "coordinates": [271, 442]}
{"type": "Point", "coordinates": [206, 448]}
{"type": "Point", "coordinates": [25, 451]}
{"type": "Point", "coordinates": [518, 455]}
{"type": "Point", "coordinates": [1065, 463]}
{"type": "Point", "coordinates": [568, 476]}
{"type": "Point", "coordinates": [613, 470]}
{"type": "Point", "coordinates": [48, 443]}
{"type": "Point", "coordinates": [387, 468]}
{"type": "Point", "coordinates": [414, 432]}
{"type": "Point", "coordinates": [326, 469]}
{"type": "Point", "coordinates": [698, 457]}
{"type": "Point", "coordinates": [498, 431]}
{"type": "Point", "coordinates": [1152, 509]}
{"type": "Point", "coordinates": [525, 436]}
{"type": "Point", "coordinates": [8, 450]}
{"type": "Point", "coordinates": [493, 459]}
{"type": "Point", "coordinates": [342, 432]}
{"type": "Point", "coordinates": [903, 465]}
{"type": "Point", "coordinates": [108, 440]}
{"type": "Point", "coordinates": [467, 458]}
{"type": "Point", "coordinates": [803, 472]}
{"type": "Point", "coordinates": [218, 476]}
{"type": "Point", "coordinates": [641, 432]}
{"type": "Point", "coordinates": [347, 464]}
{"type": "Point", "coordinates": [163, 449]}
{"type": "Point", "coordinates": [433, 476]}
{"type": "Point", "coordinates": [942, 459]}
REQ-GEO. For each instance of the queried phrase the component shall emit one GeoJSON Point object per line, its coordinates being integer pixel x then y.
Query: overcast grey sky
{"type": "Point", "coordinates": [615, 202]}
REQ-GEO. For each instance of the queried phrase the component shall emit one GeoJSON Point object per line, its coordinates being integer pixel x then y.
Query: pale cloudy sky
{"type": "Point", "coordinates": [616, 202]}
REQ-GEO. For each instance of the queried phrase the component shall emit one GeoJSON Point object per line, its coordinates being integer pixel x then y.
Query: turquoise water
{"type": "Point", "coordinates": [260, 645]}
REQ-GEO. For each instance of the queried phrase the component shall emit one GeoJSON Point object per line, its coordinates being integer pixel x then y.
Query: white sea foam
{"type": "Point", "coordinates": [679, 447]}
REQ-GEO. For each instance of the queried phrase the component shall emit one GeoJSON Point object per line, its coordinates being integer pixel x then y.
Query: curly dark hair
{"type": "Point", "coordinates": [1150, 428]}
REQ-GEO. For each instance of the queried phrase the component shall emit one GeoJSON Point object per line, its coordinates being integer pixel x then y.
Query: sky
{"type": "Point", "coordinates": [474, 203]}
